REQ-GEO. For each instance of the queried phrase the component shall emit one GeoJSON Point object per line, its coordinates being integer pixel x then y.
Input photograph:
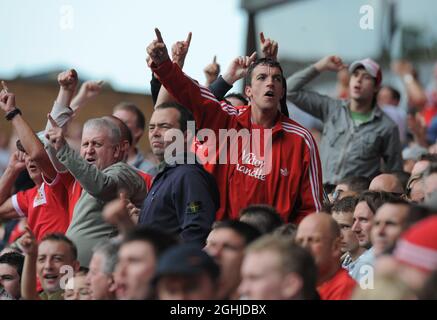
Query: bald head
{"type": "Point", "coordinates": [420, 167]}
{"type": "Point", "coordinates": [386, 182]}
{"type": "Point", "coordinates": [320, 223]}
{"type": "Point", "coordinates": [320, 234]}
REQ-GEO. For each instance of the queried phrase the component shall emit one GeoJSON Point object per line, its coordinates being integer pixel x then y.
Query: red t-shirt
{"type": "Point", "coordinates": [73, 188]}
{"type": "Point", "coordinates": [44, 207]}
{"type": "Point", "coordinates": [147, 178]}
{"type": "Point", "coordinates": [339, 287]}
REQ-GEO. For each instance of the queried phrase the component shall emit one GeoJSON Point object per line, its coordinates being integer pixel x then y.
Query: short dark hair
{"type": "Point", "coordinates": [185, 115]}
{"type": "Point", "coordinates": [431, 157]}
{"type": "Point", "coordinates": [375, 199]}
{"type": "Point", "coordinates": [356, 184]}
{"type": "Point", "coordinates": [236, 95]}
{"type": "Point", "coordinates": [14, 259]}
{"type": "Point", "coordinates": [263, 61]}
{"type": "Point", "coordinates": [131, 107]}
{"type": "Point", "coordinates": [346, 204]}
{"type": "Point", "coordinates": [263, 217]}
{"type": "Point", "coordinates": [158, 239]}
{"type": "Point", "coordinates": [245, 230]}
{"type": "Point", "coordinates": [61, 238]}
{"type": "Point", "coordinates": [286, 230]}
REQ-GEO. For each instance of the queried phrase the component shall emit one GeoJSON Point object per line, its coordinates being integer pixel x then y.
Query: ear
{"type": "Point", "coordinates": [76, 266]}
{"type": "Point", "coordinates": [126, 145]}
{"type": "Point", "coordinates": [112, 287]}
{"type": "Point", "coordinates": [336, 247]}
{"type": "Point", "coordinates": [117, 150]}
{"type": "Point", "coordinates": [291, 286]}
{"type": "Point", "coordinates": [248, 92]}
{"type": "Point", "coordinates": [137, 135]}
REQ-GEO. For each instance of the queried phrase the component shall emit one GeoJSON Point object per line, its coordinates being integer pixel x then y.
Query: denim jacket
{"type": "Point", "coordinates": [347, 149]}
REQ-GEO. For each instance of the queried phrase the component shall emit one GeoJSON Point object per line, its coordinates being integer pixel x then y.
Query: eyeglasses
{"type": "Point", "coordinates": [336, 194]}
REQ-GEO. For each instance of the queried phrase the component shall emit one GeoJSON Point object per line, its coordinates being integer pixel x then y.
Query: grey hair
{"type": "Point", "coordinates": [108, 249]}
{"type": "Point", "coordinates": [101, 123]}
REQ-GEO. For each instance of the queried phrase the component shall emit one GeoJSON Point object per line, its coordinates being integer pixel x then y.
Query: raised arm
{"type": "Point", "coordinates": [269, 47]}
{"type": "Point", "coordinates": [415, 92]}
{"type": "Point", "coordinates": [7, 180]}
{"type": "Point", "coordinates": [316, 104]}
{"type": "Point", "coordinates": [236, 71]}
{"type": "Point", "coordinates": [61, 111]}
{"type": "Point", "coordinates": [179, 52]}
{"type": "Point", "coordinates": [29, 246]}
{"type": "Point", "coordinates": [238, 68]}
{"type": "Point", "coordinates": [88, 91]}
{"type": "Point", "coordinates": [206, 108]}
{"type": "Point", "coordinates": [102, 184]}
{"type": "Point", "coordinates": [211, 71]}
{"type": "Point", "coordinates": [33, 146]}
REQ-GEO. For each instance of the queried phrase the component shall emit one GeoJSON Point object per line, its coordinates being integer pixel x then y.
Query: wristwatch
{"type": "Point", "coordinates": [11, 114]}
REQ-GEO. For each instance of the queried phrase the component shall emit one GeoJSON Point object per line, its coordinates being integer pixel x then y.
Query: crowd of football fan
{"type": "Point", "coordinates": [339, 204]}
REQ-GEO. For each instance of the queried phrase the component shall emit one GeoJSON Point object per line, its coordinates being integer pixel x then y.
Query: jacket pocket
{"type": "Point", "coordinates": [368, 146]}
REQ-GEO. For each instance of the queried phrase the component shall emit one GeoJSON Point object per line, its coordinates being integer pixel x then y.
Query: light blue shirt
{"type": "Point", "coordinates": [355, 268]}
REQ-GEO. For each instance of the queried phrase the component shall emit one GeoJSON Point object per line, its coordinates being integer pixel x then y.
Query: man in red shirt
{"type": "Point", "coordinates": [43, 205]}
{"type": "Point", "coordinates": [286, 176]}
{"type": "Point", "coordinates": [320, 234]}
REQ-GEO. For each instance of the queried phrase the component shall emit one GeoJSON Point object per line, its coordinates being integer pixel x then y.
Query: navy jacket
{"type": "Point", "coordinates": [183, 200]}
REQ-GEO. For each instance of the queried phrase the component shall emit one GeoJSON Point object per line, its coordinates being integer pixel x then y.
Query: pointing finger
{"type": "Point", "coordinates": [261, 37]}
{"type": "Point", "coordinates": [5, 88]}
{"type": "Point", "coordinates": [252, 57]}
{"type": "Point", "coordinates": [189, 38]}
{"type": "Point", "coordinates": [158, 35]}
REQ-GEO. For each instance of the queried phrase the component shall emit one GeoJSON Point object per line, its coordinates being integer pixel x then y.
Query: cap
{"type": "Point", "coordinates": [418, 246]}
{"type": "Point", "coordinates": [40, 136]}
{"type": "Point", "coordinates": [370, 66]}
{"type": "Point", "coordinates": [186, 260]}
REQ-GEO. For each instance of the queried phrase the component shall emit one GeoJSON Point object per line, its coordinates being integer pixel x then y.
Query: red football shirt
{"type": "Point", "coordinates": [339, 287]}
{"type": "Point", "coordinates": [44, 207]}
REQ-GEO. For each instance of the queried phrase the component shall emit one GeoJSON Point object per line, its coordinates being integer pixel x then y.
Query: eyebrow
{"type": "Point", "coordinates": [159, 124]}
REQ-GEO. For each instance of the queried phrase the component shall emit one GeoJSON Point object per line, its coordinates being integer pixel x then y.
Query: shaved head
{"type": "Point", "coordinates": [388, 183]}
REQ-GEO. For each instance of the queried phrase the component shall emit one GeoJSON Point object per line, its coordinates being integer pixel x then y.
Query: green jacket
{"type": "Point", "coordinates": [87, 227]}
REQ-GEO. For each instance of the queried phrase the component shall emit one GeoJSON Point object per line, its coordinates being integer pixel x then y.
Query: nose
{"type": "Point", "coordinates": [270, 82]}
{"type": "Point", "coordinates": [215, 251]}
{"type": "Point", "coordinates": [304, 243]}
{"type": "Point", "coordinates": [156, 132]}
{"type": "Point", "coordinates": [90, 149]}
{"type": "Point", "coordinates": [380, 229]}
{"type": "Point", "coordinates": [48, 264]}
{"type": "Point", "coordinates": [356, 227]}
